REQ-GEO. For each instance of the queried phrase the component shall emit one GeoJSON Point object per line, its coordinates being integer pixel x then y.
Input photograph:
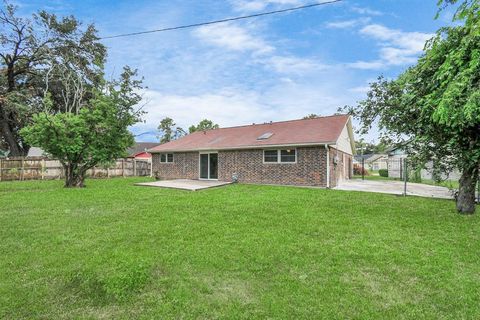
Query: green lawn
{"type": "Point", "coordinates": [114, 250]}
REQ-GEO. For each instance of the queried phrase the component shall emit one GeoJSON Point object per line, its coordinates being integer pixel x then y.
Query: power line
{"type": "Point", "coordinates": [222, 20]}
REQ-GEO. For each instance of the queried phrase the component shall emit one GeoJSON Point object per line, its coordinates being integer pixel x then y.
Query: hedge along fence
{"type": "Point", "coordinates": [43, 169]}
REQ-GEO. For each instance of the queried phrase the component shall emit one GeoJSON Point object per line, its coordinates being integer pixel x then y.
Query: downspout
{"type": "Point", "coordinates": [328, 166]}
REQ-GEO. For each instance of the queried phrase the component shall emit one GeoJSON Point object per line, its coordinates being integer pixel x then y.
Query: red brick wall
{"type": "Point", "coordinates": [309, 170]}
{"type": "Point", "coordinates": [184, 166]}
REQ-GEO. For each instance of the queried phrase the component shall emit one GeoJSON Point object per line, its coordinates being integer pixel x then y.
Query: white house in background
{"type": "Point", "coordinates": [373, 162]}
{"type": "Point", "coordinates": [396, 157]}
{"type": "Point", "coordinates": [36, 152]}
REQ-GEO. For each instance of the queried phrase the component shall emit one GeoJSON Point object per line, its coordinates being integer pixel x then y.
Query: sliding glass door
{"type": "Point", "coordinates": [209, 166]}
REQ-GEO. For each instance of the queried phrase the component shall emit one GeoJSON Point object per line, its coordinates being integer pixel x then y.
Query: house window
{"type": "Point", "coordinates": [280, 156]}
{"type": "Point", "coordinates": [166, 157]}
{"type": "Point", "coordinates": [270, 155]}
{"type": "Point", "coordinates": [288, 155]}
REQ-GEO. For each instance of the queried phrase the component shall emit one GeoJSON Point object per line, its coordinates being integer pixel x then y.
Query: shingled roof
{"type": "Point", "coordinates": [322, 130]}
{"type": "Point", "coordinates": [140, 147]}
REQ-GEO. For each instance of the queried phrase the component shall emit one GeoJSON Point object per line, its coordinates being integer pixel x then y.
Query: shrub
{"type": "Point", "coordinates": [383, 172]}
{"type": "Point", "coordinates": [357, 170]}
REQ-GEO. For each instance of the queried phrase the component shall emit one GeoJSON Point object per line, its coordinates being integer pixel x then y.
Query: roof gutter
{"type": "Point", "coordinates": [264, 146]}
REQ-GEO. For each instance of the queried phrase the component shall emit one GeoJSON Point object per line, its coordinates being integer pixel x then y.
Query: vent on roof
{"type": "Point", "coordinates": [265, 136]}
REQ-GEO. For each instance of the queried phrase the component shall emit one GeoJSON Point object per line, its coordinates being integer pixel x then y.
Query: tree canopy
{"type": "Point", "coordinates": [205, 124]}
{"type": "Point", "coordinates": [169, 131]}
{"type": "Point", "coordinates": [436, 104]}
{"type": "Point", "coordinates": [36, 55]}
{"type": "Point", "coordinates": [96, 133]}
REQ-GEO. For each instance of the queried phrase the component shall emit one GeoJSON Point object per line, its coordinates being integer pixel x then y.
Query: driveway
{"type": "Point", "coordinates": [395, 187]}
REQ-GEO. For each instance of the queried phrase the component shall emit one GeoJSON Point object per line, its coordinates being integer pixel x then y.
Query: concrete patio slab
{"type": "Point", "coordinates": [184, 184]}
{"type": "Point", "coordinates": [395, 187]}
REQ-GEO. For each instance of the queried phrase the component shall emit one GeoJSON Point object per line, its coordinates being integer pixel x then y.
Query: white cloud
{"type": "Point", "coordinates": [397, 47]}
{"type": "Point", "coordinates": [241, 39]}
{"type": "Point", "coordinates": [284, 64]}
{"type": "Point", "coordinates": [361, 89]}
{"type": "Point", "coordinates": [367, 65]}
{"type": "Point", "coordinates": [346, 24]}
{"type": "Point", "coordinates": [366, 11]}
{"type": "Point", "coordinates": [258, 5]}
{"type": "Point", "coordinates": [232, 37]}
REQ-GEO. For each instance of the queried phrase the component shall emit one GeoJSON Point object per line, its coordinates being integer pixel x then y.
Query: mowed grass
{"type": "Point", "coordinates": [118, 251]}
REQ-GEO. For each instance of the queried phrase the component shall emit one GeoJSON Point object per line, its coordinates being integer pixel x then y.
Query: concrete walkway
{"type": "Point", "coordinates": [184, 184]}
{"type": "Point", "coordinates": [395, 187]}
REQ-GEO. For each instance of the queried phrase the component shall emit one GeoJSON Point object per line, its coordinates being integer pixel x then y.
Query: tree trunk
{"type": "Point", "coordinates": [74, 178]}
{"type": "Point", "coordinates": [466, 191]}
{"type": "Point", "coordinates": [15, 149]}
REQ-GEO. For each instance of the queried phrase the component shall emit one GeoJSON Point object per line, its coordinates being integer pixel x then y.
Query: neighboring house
{"type": "Point", "coordinates": [373, 162]}
{"type": "Point", "coordinates": [396, 156]}
{"type": "Point", "coordinates": [377, 162]}
{"type": "Point", "coordinates": [428, 173]}
{"type": "Point", "coordinates": [307, 152]}
{"type": "Point", "coordinates": [139, 150]}
{"type": "Point", "coordinates": [36, 152]}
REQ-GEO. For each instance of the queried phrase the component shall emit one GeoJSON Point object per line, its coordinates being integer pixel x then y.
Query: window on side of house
{"type": "Point", "coordinates": [270, 155]}
{"type": "Point", "coordinates": [280, 156]}
{"type": "Point", "coordinates": [288, 155]}
{"type": "Point", "coordinates": [166, 157]}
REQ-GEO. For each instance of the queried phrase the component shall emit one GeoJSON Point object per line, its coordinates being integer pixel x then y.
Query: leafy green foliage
{"type": "Point", "coordinates": [312, 116]}
{"type": "Point", "coordinates": [205, 124]}
{"type": "Point", "coordinates": [42, 55]}
{"type": "Point", "coordinates": [169, 131]}
{"type": "Point", "coordinates": [436, 105]}
{"type": "Point", "coordinates": [362, 147]}
{"type": "Point", "coordinates": [467, 10]}
{"type": "Point", "coordinates": [96, 134]}
{"type": "Point", "coordinates": [383, 172]}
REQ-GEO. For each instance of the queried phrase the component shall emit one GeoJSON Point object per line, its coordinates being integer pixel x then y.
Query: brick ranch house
{"type": "Point", "coordinates": [308, 152]}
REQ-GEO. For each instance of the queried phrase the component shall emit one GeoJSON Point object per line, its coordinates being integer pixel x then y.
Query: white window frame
{"type": "Point", "coordinates": [166, 157]}
{"type": "Point", "coordinates": [279, 156]}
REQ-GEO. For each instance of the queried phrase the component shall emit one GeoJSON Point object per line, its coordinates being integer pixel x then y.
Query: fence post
{"type": "Point", "coordinates": [134, 167]}
{"type": "Point", "coordinates": [22, 176]}
{"type": "Point", "coordinates": [108, 172]}
{"type": "Point", "coordinates": [363, 168]}
{"type": "Point", "coordinates": [42, 167]}
{"type": "Point", "coordinates": [123, 167]}
{"type": "Point", "coordinates": [405, 176]}
{"type": "Point", "coordinates": [1, 169]}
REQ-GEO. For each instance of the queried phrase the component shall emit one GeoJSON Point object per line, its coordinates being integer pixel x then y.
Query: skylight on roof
{"type": "Point", "coordinates": [265, 136]}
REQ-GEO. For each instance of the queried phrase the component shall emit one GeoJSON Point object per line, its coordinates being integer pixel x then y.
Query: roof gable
{"type": "Point", "coordinates": [295, 132]}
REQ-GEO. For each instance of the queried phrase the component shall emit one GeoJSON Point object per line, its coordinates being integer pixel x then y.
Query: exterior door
{"type": "Point", "coordinates": [209, 166]}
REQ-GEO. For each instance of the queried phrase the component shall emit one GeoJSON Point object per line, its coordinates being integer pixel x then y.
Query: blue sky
{"type": "Point", "coordinates": [266, 69]}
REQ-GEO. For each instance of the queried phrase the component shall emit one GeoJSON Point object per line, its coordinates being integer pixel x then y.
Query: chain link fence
{"type": "Point", "coordinates": [407, 177]}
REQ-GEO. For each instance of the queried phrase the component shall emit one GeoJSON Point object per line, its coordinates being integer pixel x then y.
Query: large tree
{"type": "Point", "coordinates": [89, 132]}
{"type": "Point", "coordinates": [436, 103]}
{"type": "Point", "coordinates": [29, 48]}
{"type": "Point", "coordinates": [205, 124]}
{"type": "Point", "coordinates": [168, 130]}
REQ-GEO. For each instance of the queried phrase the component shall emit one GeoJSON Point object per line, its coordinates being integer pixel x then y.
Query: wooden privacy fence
{"type": "Point", "coordinates": [43, 169]}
